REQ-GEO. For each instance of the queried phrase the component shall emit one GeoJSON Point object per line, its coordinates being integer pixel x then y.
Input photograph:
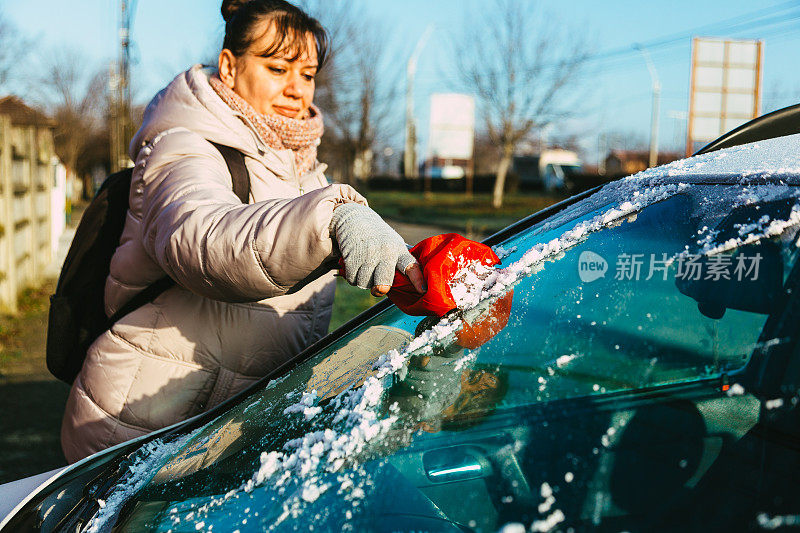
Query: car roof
{"type": "Point", "coordinates": [775, 160]}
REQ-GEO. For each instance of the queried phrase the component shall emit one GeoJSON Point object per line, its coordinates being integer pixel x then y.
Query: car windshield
{"type": "Point", "coordinates": [508, 410]}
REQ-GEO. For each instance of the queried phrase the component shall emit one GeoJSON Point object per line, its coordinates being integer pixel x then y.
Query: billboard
{"type": "Point", "coordinates": [452, 126]}
{"type": "Point", "coordinates": [725, 87]}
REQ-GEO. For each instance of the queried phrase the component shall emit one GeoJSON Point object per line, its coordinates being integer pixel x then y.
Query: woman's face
{"type": "Point", "coordinates": [272, 85]}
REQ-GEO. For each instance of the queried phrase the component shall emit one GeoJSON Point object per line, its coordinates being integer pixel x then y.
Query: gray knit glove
{"type": "Point", "coordinates": [370, 248]}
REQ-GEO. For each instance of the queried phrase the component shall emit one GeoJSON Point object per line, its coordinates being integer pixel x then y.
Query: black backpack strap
{"type": "Point", "coordinates": [144, 297]}
{"type": "Point", "coordinates": [240, 178]}
{"type": "Point", "coordinates": [239, 175]}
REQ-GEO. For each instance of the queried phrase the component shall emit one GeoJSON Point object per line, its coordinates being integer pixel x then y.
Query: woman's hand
{"type": "Point", "coordinates": [372, 250]}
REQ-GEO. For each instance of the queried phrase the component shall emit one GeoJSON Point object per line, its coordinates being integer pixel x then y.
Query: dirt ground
{"type": "Point", "coordinates": [31, 400]}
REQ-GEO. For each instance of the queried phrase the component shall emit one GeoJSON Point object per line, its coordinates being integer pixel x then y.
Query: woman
{"type": "Point", "coordinates": [228, 321]}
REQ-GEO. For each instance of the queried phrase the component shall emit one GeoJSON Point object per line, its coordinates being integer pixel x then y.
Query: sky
{"type": "Point", "coordinates": [170, 35]}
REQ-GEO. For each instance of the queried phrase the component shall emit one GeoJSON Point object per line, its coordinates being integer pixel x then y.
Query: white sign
{"type": "Point", "coordinates": [725, 87]}
{"type": "Point", "coordinates": [452, 126]}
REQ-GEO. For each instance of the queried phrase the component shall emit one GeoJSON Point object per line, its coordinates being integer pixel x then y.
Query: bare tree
{"type": "Point", "coordinates": [77, 102]}
{"type": "Point", "coordinates": [361, 100]}
{"type": "Point", "coordinates": [14, 48]}
{"type": "Point", "coordinates": [354, 91]}
{"type": "Point", "coordinates": [522, 66]}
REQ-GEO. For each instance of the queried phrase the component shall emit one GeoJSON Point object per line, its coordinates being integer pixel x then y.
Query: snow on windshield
{"type": "Point", "coordinates": [357, 421]}
{"type": "Point", "coordinates": [296, 471]}
{"type": "Point", "coordinates": [144, 463]}
{"type": "Point", "coordinates": [358, 408]}
{"type": "Point", "coordinates": [751, 233]}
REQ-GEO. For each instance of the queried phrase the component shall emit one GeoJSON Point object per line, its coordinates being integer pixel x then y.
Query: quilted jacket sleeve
{"type": "Point", "coordinates": [199, 233]}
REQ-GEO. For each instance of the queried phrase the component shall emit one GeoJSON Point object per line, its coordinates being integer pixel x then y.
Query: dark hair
{"type": "Point", "coordinates": [292, 26]}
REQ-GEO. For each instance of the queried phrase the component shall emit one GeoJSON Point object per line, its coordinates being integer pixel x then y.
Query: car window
{"type": "Point", "coordinates": [624, 317]}
{"type": "Point", "coordinates": [616, 312]}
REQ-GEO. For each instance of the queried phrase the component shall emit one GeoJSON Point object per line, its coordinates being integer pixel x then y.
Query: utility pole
{"type": "Point", "coordinates": [602, 146]}
{"type": "Point", "coordinates": [120, 88]}
{"type": "Point", "coordinates": [410, 155]}
{"type": "Point", "coordinates": [656, 98]}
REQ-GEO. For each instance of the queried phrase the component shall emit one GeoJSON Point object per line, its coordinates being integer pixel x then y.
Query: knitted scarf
{"type": "Point", "coordinates": [278, 132]}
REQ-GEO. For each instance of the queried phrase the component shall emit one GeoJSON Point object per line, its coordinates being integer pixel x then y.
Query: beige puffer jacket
{"type": "Point", "coordinates": [228, 322]}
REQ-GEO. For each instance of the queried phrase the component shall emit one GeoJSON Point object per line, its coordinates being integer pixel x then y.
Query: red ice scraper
{"type": "Point", "coordinates": [441, 257]}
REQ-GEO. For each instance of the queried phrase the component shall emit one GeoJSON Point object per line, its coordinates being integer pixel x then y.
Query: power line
{"type": "Point", "coordinates": [620, 64]}
{"type": "Point", "coordinates": [725, 25]}
{"type": "Point", "coordinates": [617, 58]}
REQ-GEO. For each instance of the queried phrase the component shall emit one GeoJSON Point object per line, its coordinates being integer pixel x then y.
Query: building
{"type": "Point", "coordinates": [626, 162]}
{"type": "Point", "coordinates": [28, 178]}
{"type": "Point", "coordinates": [21, 114]}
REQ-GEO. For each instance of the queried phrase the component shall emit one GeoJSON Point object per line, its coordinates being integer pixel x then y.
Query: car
{"type": "Point", "coordinates": [644, 378]}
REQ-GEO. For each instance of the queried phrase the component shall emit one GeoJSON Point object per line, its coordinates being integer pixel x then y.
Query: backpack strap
{"type": "Point", "coordinates": [234, 159]}
{"type": "Point", "coordinates": [145, 297]}
{"type": "Point", "coordinates": [239, 175]}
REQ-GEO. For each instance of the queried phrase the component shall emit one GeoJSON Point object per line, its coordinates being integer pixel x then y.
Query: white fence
{"type": "Point", "coordinates": [27, 175]}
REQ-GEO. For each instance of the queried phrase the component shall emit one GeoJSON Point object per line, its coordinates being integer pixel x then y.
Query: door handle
{"type": "Point", "coordinates": [458, 463]}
